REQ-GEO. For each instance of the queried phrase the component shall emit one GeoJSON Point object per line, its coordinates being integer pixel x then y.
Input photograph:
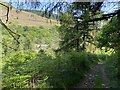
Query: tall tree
{"type": "Point", "coordinates": [75, 28]}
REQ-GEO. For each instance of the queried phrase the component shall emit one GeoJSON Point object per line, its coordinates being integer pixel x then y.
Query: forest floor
{"type": "Point", "coordinates": [96, 78]}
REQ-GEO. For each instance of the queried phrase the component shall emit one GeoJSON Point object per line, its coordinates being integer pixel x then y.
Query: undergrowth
{"type": "Point", "coordinates": [30, 70]}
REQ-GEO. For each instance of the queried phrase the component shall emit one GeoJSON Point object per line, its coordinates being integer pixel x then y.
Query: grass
{"type": "Point", "coordinates": [111, 69]}
{"type": "Point", "coordinates": [98, 81]}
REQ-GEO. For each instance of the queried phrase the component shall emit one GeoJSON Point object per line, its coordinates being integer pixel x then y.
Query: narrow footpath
{"type": "Point", "coordinates": [95, 76]}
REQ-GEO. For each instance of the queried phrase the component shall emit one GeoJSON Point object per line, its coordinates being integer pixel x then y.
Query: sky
{"type": "Point", "coordinates": [108, 6]}
{"type": "Point", "coordinates": [66, 0]}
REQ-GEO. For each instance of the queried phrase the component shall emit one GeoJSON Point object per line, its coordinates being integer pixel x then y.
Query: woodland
{"type": "Point", "coordinates": [59, 45]}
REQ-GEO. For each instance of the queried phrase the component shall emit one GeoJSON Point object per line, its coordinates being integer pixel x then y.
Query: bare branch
{"type": "Point", "coordinates": [105, 16]}
{"type": "Point", "coordinates": [7, 10]}
{"type": "Point", "coordinates": [10, 31]}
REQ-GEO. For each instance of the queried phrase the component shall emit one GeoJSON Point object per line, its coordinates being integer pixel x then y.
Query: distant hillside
{"type": "Point", "coordinates": [42, 13]}
{"type": "Point", "coordinates": [25, 18]}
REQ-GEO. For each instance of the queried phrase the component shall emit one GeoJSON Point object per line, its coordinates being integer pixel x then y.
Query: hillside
{"type": "Point", "coordinates": [24, 18]}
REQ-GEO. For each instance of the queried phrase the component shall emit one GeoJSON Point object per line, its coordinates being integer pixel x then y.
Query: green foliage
{"type": "Point", "coordinates": [112, 70]}
{"type": "Point", "coordinates": [25, 69]}
{"type": "Point", "coordinates": [109, 37]}
{"type": "Point", "coordinates": [15, 71]}
{"type": "Point", "coordinates": [29, 37]}
{"type": "Point", "coordinates": [75, 31]}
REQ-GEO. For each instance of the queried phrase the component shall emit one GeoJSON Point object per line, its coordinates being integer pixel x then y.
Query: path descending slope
{"type": "Point", "coordinates": [90, 79]}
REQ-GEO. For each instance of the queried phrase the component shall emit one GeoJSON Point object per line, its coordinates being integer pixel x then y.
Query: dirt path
{"type": "Point", "coordinates": [90, 79]}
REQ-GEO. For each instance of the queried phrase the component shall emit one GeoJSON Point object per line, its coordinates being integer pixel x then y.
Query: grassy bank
{"type": "Point", "coordinates": [111, 69]}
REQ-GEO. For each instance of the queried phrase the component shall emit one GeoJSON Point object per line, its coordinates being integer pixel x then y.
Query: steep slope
{"type": "Point", "coordinates": [24, 18]}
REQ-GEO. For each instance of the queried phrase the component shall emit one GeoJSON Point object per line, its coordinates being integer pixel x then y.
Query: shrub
{"type": "Point", "coordinates": [30, 70]}
{"type": "Point", "coordinates": [68, 69]}
{"type": "Point", "coordinates": [15, 72]}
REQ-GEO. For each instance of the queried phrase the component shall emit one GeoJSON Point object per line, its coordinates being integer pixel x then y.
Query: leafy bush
{"type": "Point", "coordinates": [15, 70]}
{"type": "Point", "coordinates": [30, 70]}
